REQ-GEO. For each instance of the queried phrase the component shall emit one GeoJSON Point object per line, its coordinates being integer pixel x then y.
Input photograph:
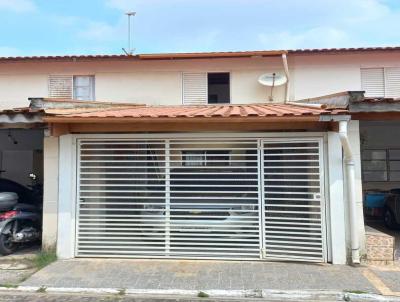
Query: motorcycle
{"type": "Point", "coordinates": [20, 215]}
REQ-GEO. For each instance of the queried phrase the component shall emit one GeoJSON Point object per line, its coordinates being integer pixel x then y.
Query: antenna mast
{"type": "Point", "coordinates": [130, 50]}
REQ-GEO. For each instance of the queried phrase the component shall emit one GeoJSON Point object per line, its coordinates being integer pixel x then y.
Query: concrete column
{"type": "Point", "coordinates": [354, 137]}
{"type": "Point", "coordinates": [337, 202]}
{"type": "Point", "coordinates": [50, 191]}
{"type": "Point", "coordinates": [67, 198]}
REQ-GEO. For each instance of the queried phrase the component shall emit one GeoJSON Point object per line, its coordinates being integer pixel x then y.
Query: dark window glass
{"type": "Point", "coordinates": [218, 88]}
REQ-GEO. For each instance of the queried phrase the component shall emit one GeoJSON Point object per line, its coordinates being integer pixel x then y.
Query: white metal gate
{"type": "Point", "coordinates": [199, 198]}
{"type": "Point", "coordinates": [292, 173]}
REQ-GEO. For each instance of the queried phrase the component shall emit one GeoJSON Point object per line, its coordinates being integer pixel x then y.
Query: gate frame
{"type": "Point", "coordinates": [67, 209]}
{"type": "Point", "coordinates": [323, 195]}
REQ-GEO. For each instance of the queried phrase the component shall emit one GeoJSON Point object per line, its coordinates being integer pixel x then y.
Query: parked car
{"type": "Point", "coordinates": [188, 212]}
{"type": "Point", "coordinates": [391, 212]}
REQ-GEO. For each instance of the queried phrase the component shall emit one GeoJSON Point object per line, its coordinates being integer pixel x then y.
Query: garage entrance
{"type": "Point", "coordinates": [380, 154]}
{"type": "Point", "coordinates": [209, 198]}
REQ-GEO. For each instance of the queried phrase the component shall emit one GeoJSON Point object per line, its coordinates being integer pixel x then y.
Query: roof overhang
{"type": "Point", "coordinates": [155, 56]}
{"type": "Point", "coordinates": [248, 117]}
{"type": "Point", "coordinates": [359, 106]}
{"type": "Point", "coordinates": [198, 55]}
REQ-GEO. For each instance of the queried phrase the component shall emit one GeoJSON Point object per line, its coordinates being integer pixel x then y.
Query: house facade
{"type": "Point", "coordinates": [197, 159]}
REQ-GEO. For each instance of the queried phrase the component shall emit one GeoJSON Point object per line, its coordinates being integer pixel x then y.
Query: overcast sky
{"type": "Point", "coordinates": [56, 27]}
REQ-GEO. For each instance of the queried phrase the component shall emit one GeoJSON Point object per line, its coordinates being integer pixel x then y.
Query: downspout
{"type": "Point", "coordinates": [286, 69]}
{"type": "Point", "coordinates": [351, 191]}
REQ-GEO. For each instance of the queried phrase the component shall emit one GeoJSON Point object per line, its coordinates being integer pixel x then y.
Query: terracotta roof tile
{"type": "Point", "coordinates": [205, 111]}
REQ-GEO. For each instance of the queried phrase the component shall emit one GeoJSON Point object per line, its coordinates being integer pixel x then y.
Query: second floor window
{"type": "Point", "coordinates": [206, 88]}
{"type": "Point", "coordinates": [381, 82]}
{"type": "Point", "coordinates": [84, 88]}
{"type": "Point", "coordinates": [72, 87]}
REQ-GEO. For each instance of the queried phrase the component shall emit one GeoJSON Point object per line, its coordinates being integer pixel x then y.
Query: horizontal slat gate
{"type": "Point", "coordinates": [169, 198]}
{"type": "Point", "coordinates": [293, 200]}
{"type": "Point", "coordinates": [201, 198]}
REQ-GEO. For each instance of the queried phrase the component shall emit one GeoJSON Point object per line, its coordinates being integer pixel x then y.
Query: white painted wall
{"type": "Point", "coordinates": [337, 230]}
{"type": "Point", "coordinates": [15, 89]}
{"type": "Point", "coordinates": [159, 82]}
{"type": "Point", "coordinates": [317, 75]}
{"type": "Point", "coordinates": [50, 191]}
{"type": "Point", "coordinates": [150, 82]}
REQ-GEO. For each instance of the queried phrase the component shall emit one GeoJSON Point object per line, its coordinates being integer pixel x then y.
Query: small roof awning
{"type": "Point", "coordinates": [360, 107]}
{"type": "Point", "coordinates": [230, 112]}
{"type": "Point", "coordinates": [21, 118]}
{"type": "Point", "coordinates": [72, 116]}
{"type": "Point", "coordinates": [218, 117]}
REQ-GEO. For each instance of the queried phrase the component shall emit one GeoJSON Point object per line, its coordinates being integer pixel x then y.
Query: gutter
{"type": "Point", "coordinates": [286, 69]}
{"type": "Point", "coordinates": [351, 191]}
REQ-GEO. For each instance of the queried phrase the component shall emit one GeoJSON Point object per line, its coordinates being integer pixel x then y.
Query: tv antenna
{"type": "Point", "coordinates": [130, 50]}
{"type": "Point", "coordinates": [272, 80]}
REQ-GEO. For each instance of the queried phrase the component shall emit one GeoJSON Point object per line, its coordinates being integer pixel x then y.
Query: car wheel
{"type": "Point", "coordinates": [389, 219]}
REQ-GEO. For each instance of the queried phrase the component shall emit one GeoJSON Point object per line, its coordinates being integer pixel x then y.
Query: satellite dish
{"type": "Point", "coordinates": [272, 79]}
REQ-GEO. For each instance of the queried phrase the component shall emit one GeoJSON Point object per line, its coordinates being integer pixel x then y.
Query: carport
{"type": "Point", "coordinates": [378, 123]}
{"type": "Point", "coordinates": [21, 157]}
{"type": "Point", "coordinates": [380, 155]}
{"type": "Point", "coordinates": [202, 182]}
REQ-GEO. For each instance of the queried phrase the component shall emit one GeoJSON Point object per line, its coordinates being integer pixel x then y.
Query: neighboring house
{"type": "Point", "coordinates": [194, 159]}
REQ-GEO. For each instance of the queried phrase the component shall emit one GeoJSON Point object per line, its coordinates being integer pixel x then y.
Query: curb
{"type": "Point", "coordinates": [286, 295]}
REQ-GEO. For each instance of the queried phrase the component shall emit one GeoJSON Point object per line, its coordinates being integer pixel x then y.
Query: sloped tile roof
{"type": "Point", "coordinates": [205, 111]}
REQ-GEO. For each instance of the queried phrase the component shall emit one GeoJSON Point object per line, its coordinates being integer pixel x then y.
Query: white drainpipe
{"type": "Point", "coordinates": [286, 69]}
{"type": "Point", "coordinates": [351, 191]}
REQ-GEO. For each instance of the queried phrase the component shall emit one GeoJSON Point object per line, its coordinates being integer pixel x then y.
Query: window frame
{"type": "Point", "coordinates": [206, 73]}
{"type": "Point", "coordinates": [386, 82]}
{"type": "Point", "coordinates": [205, 161]}
{"type": "Point", "coordinates": [388, 160]}
{"type": "Point", "coordinates": [229, 83]}
{"type": "Point", "coordinates": [92, 86]}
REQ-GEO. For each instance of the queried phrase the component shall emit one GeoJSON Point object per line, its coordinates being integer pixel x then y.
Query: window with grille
{"type": "Point", "coordinates": [381, 165]}
{"type": "Point", "coordinates": [381, 82]}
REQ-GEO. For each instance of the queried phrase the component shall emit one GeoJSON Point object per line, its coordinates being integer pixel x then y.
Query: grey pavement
{"type": "Point", "coordinates": [17, 267]}
{"type": "Point", "coordinates": [12, 272]}
{"type": "Point", "coordinates": [390, 278]}
{"type": "Point", "coordinates": [199, 275]}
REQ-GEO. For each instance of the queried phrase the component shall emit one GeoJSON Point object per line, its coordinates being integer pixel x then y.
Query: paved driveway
{"type": "Point", "coordinates": [200, 275]}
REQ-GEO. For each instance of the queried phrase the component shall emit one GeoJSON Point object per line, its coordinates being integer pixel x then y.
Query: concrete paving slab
{"type": "Point", "coordinates": [390, 278]}
{"type": "Point", "coordinates": [199, 275]}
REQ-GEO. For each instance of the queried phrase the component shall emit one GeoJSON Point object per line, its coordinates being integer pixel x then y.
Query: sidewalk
{"type": "Point", "coordinates": [225, 277]}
